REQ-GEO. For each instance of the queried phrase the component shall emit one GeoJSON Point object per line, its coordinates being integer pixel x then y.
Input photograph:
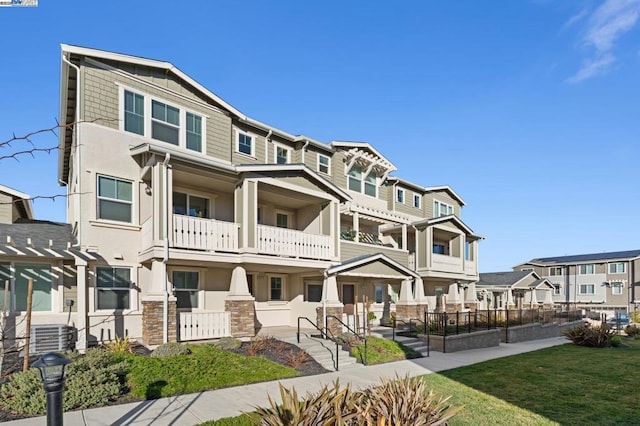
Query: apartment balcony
{"type": "Point", "coordinates": [444, 263]}
{"type": "Point", "coordinates": [204, 234]}
{"type": "Point", "coordinates": [293, 243]}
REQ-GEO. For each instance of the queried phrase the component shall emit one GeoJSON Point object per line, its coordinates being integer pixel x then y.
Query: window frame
{"type": "Point", "coordinates": [370, 183]}
{"type": "Point", "coordinates": [616, 264]}
{"type": "Point", "coordinates": [450, 210]}
{"type": "Point", "coordinates": [98, 289]}
{"type": "Point", "coordinates": [285, 148]}
{"type": "Point", "coordinates": [593, 269]}
{"type": "Point", "coordinates": [253, 139]}
{"type": "Point", "coordinates": [320, 165]}
{"type": "Point", "coordinates": [288, 215]}
{"type": "Point", "coordinates": [557, 289]}
{"type": "Point", "coordinates": [13, 270]}
{"type": "Point", "coordinates": [556, 269]}
{"type": "Point", "coordinates": [148, 118]}
{"type": "Point", "coordinates": [308, 284]}
{"type": "Point", "coordinates": [188, 195]}
{"type": "Point", "coordinates": [400, 193]}
{"type": "Point", "coordinates": [582, 285]}
{"type": "Point", "coordinates": [116, 200]}
{"type": "Point", "coordinates": [198, 291]}
{"type": "Point", "coordinates": [355, 179]}
{"type": "Point", "coordinates": [417, 200]}
{"type": "Point", "coordinates": [619, 285]}
{"type": "Point", "coordinates": [283, 286]}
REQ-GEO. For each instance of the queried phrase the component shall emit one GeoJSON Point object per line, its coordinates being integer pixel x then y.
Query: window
{"type": "Point", "coordinates": [185, 287]}
{"type": "Point", "coordinates": [133, 113]}
{"type": "Point", "coordinates": [526, 269]}
{"type": "Point", "coordinates": [587, 269]}
{"type": "Point", "coordinates": [42, 279]}
{"type": "Point", "coordinates": [400, 195]}
{"type": "Point", "coordinates": [276, 289]}
{"type": "Point", "coordinates": [113, 287]}
{"type": "Point", "coordinates": [468, 251]}
{"type": "Point", "coordinates": [417, 198]}
{"type": "Point", "coordinates": [323, 164]}
{"type": "Point", "coordinates": [314, 292]}
{"type": "Point", "coordinates": [616, 287]}
{"type": "Point", "coordinates": [587, 289]}
{"type": "Point", "coordinates": [282, 155]}
{"type": "Point", "coordinates": [557, 289]}
{"type": "Point", "coordinates": [380, 292]}
{"type": "Point", "coordinates": [555, 271]}
{"type": "Point", "coordinates": [441, 209]}
{"type": "Point", "coordinates": [5, 275]}
{"type": "Point", "coordinates": [260, 219]}
{"type": "Point", "coordinates": [371, 184]}
{"type": "Point", "coordinates": [355, 178]}
{"type": "Point", "coordinates": [194, 132]}
{"type": "Point", "coordinates": [114, 199]}
{"type": "Point", "coordinates": [617, 268]}
{"type": "Point", "coordinates": [190, 205]}
{"type": "Point", "coordinates": [283, 220]}
{"type": "Point", "coordinates": [439, 249]}
{"type": "Point", "coordinates": [165, 122]}
{"type": "Point", "coordinates": [245, 144]}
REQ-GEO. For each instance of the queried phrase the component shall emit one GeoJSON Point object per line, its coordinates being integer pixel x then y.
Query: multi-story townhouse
{"type": "Point", "coordinates": [205, 222]}
{"type": "Point", "coordinates": [599, 282]}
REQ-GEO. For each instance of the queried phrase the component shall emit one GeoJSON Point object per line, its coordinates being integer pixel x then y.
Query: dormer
{"type": "Point", "coordinates": [365, 168]}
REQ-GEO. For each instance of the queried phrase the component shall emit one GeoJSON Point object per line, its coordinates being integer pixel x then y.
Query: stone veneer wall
{"type": "Point", "coordinates": [335, 328]}
{"type": "Point", "coordinates": [243, 317]}
{"type": "Point", "coordinates": [152, 322]}
{"type": "Point", "coordinates": [407, 312]}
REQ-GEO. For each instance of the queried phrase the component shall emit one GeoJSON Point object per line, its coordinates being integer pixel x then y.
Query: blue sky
{"type": "Point", "coordinates": [528, 109]}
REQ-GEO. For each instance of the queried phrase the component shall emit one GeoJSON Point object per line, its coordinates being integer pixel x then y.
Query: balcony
{"type": "Point", "coordinates": [204, 234]}
{"type": "Point", "coordinates": [444, 263]}
{"type": "Point", "coordinates": [289, 242]}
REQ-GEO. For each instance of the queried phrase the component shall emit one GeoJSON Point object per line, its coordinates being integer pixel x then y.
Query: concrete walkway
{"type": "Point", "coordinates": [196, 408]}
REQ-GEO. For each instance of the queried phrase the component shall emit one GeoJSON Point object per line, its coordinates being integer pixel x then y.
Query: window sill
{"type": "Point", "coordinates": [242, 154]}
{"type": "Point", "coordinates": [114, 224]}
{"type": "Point", "coordinates": [113, 312]}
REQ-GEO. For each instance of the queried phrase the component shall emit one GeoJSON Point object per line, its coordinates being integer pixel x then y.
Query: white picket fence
{"type": "Point", "coordinates": [203, 325]}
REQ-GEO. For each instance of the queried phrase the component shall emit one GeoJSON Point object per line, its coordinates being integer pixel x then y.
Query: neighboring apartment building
{"type": "Point", "coordinates": [599, 282]}
{"type": "Point", "coordinates": [195, 221]}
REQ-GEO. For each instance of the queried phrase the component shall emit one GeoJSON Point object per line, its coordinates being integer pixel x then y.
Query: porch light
{"type": "Point", "coordinates": [52, 367]}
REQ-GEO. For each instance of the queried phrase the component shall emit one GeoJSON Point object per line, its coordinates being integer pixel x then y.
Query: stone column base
{"type": "Point", "coordinates": [334, 327]}
{"type": "Point", "coordinates": [407, 312]}
{"type": "Point", "coordinates": [243, 317]}
{"type": "Point", "coordinates": [152, 322]}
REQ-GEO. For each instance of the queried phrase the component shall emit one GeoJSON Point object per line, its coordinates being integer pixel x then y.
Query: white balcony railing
{"type": "Point", "coordinates": [412, 261]}
{"type": "Point", "coordinates": [289, 242]}
{"type": "Point", "coordinates": [203, 325]}
{"type": "Point", "coordinates": [204, 234]}
{"type": "Point", "coordinates": [444, 263]}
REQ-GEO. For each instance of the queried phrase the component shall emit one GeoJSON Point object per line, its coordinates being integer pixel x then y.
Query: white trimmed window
{"type": "Point", "coordinates": [588, 269]}
{"type": "Point", "coordinates": [115, 199]}
{"type": "Point", "coordinates": [616, 287]}
{"type": "Point", "coordinates": [284, 220]}
{"type": "Point", "coordinates": [371, 184]}
{"type": "Point", "coordinates": [441, 209]}
{"type": "Point", "coordinates": [526, 269]}
{"type": "Point", "coordinates": [417, 201]}
{"type": "Point", "coordinates": [113, 288]}
{"type": "Point", "coordinates": [160, 120]}
{"type": "Point", "coordinates": [191, 205]}
{"type": "Point", "coordinates": [468, 250]}
{"type": "Point", "coordinates": [276, 288]}
{"type": "Point", "coordinates": [282, 154]}
{"type": "Point", "coordinates": [617, 268]}
{"type": "Point", "coordinates": [400, 195]}
{"type": "Point", "coordinates": [245, 143]}
{"type": "Point", "coordinates": [355, 178]}
{"type": "Point", "coordinates": [555, 271]}
{"type": "Point", "coordinates": [313, 292]}
{"type": "Point", "coordinates": [18, 275]}
{"type": "Point", "coordinates": [557, 289]}
{"type": "Point", "coordinates": [324, 164]}
{"type": "Point", "coordinates": [587, 289]}
{"type": "Point", "coordinates": [380, 292]}
{"type": "Point", "coordinates": [185, 286]}
{"type": "Point", "coordinates": [367, 185]}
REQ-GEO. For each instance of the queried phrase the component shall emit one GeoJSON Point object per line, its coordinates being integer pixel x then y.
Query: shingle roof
{"type": "Point", "coordinates": [501, 278]}
{"type": "Point", "coordinates": [588, 257]}
{"type": "Point", "coordinates": [40, 232]}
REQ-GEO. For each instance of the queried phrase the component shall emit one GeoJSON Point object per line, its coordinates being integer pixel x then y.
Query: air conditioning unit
{"type": "Point", "coordinates": [51, 338]}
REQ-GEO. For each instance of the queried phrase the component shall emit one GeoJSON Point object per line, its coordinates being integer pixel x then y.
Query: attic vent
{"type": "Point", "coordinates": [51, 338]}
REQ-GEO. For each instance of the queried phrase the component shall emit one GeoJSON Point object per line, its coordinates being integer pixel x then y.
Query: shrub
{"type": "Point", "coordinates": [228, 344]}
{"type": "Point", "coordinates": [93, 380]}
{"type": "Point", "coordinates": [347, 339]}
{"type": "Point", "coordinates": [396, 402]}
{"type": "Point", "coordinates": [632, 330]}
{"type": "Point", "coordinates": [616, 341]}
{"type": "Point", "coordinates": [296, 358]}
{"type": "Point", "coordinates": [586, 335]}
{"type": "Point", "coordinates": [170, 349]}
{"type": "Point", "coordinates": [259, 344]}
{"type": "Point", "coordinates": [121, 345]}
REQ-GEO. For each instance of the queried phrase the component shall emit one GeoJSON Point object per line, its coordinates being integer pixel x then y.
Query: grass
{"type": "Point", "coordinates": [381, 350]}
{"type": "Point", "coordinates": [207, 367]}
{"type": "Point", "coordinates": [568, 385]}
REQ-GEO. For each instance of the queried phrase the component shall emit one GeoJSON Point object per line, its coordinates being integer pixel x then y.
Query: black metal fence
{"type": "Point", "coordinates": [451, 323]}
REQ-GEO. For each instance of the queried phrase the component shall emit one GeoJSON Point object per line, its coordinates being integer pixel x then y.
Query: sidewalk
{"type": "Point", "coordinates": [196, 408]}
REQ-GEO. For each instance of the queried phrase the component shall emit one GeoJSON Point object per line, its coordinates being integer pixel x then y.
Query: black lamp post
{"type": "Point", "coordinates": [52, 367]}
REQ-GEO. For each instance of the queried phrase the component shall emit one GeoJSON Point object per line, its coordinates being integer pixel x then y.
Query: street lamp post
{"type": "Point", "coordinates": [52, 367]}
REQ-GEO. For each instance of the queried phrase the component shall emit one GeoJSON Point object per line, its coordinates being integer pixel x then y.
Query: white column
{"type": "Point", "coordinates": [419, 291]}
{"type": "Point", "coordinates": [404, 236]}
{"type": "Point", "coordinates": [330, 291]}
{"type": "Point", "coordinates": [406, 295]}
{"type": "Point", "coordinates": [82, 304]}
{"type": "Point", "coordinates": [239, 287]}
{"type": "Point", "coordinates": [356, 226]}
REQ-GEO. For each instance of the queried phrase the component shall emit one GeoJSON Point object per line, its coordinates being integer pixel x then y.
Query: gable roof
{"type": "Point", "coordinates": [366, 259]}
{"type": "Point", "coordinates": [427, 189]}
{"type": "Point", "coordinates": [21, 201]}
{"type": "Point", "coordinates": [508, 278]}
{"type": "Point", "coordinates": [450, 218]}
{"type": "Point", "coordinates": [614, 255]}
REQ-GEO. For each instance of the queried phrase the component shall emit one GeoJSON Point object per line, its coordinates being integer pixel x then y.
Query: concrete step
{"type": "Point", "coordinates": [323, 351]}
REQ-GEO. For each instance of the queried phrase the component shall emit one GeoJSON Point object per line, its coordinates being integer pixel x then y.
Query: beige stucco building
{"type": "Point", "coordinates": [201, 222]}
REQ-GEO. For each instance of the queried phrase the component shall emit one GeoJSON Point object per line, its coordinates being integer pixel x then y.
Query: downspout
{"type": "Point", "coordinates": [266, 146]}
{"type": "Point", "coordinates": [165, 233]}
{"type": "Point", "coordinates": [77, 154]}
{"type": "Point", "coordinates": [304, 148]}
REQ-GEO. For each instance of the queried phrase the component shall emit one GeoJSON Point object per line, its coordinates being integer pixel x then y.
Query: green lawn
{"type": "Point", "coordinates": [568, 385]}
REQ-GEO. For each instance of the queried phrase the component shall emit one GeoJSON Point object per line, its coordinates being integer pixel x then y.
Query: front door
{"type": "Point", "coordinates": [348, 298]}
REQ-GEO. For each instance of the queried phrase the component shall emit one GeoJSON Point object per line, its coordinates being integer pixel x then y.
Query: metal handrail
{"type": "Point", "coordinates": [363, 338]}
{"type": "Point", "coordinates": [324, 335]}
